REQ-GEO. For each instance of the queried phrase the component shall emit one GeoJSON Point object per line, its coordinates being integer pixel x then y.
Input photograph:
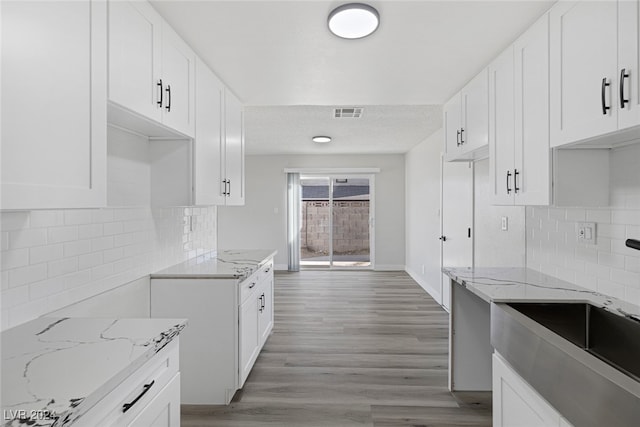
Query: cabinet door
{"type": "Point", "coordinates": [178, 74]}
{"type": "Point", "coordinates": [234, 150]}
{"type": "Point", "coordinates": [208, 137]}
{"type": "Point", "coordinates": [501, 129]}
{"type": "Point", "coordinates": [265, 324]}
{"type": "Point", "coordinates": [249, 337]}
{"type": "Point", "coordinates": [629, 61]}
{"type": "Point", "coordinates": [54, 66]}
{"type": "Point", "coordinates": [134, 57]}
{"type": "Point", "coordinates": [163, 410]}
{"type": "Point", "coordinates": [583, 62]}
{"type": "Point", "coordinates": [515, 403]}
{"type": "Point", "coordinates": [475, 113]}
{"type": "Point", "coordinates": [451, 118]}
{"type": "Point", "coordinates": [532, 153]}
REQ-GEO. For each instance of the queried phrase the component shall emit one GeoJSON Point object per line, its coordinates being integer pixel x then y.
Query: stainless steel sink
{"type": "Point", "coordinates": [612, 338]}
{"type": "Point", "coordinates": [582, 359]}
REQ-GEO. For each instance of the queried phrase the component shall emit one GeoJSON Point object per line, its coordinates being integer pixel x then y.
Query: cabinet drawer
{"type": "Point", "coordinates": [265, 270]}
{"type": "Point", "coordinates": [158, 372]}
{"type": "Point", "coordinates": [248, 287]}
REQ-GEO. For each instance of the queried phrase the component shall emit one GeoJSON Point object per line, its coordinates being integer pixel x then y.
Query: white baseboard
{"type": "Point", "coordinates": [431, 290]}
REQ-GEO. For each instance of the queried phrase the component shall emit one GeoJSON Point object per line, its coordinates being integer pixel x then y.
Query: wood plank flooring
{"type": "Point", "coordinates": [350, 348]}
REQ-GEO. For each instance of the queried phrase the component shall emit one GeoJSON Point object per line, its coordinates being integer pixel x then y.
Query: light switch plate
{"type": "Point", "coordinates": [586, 232]}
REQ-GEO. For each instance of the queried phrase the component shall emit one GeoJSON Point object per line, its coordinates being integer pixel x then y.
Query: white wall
{"type": "Point", "coordinates": [609, 266]}
{"type": "Point", "coordinates": [494, 247]}
{"type": "Point", "coordinates": [422, 166]}
{"type": "Point", "coordinates": [262, 221]}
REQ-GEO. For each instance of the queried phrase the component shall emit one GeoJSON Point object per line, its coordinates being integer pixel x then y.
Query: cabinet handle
{"type": "Point", "coordinates": [602, 93]}
{"type": "Point", "coordinates": [458, 137]}
{"type": "Point", "coordinates": [146, 388]}
{"type": "Point", "coordinates": [168, 107]}
{"type": "Point", "coordinates": [267, 270]}
{"type": "Point", "coordinates": [508, 176]}
{"type": "Point", "coordinates": [623, 75]}
{"type": "Point", "coordinates": [443, 238]}
{"type": "Point", "coordinates": [229, 190]}
{"type": "Point", "coordinates": [263, 299]}
{"type": "Point", "coordinates": [461, 136]}
{"type": "Point", "coordinates": [252, 285]}
{"type": "Point", "coordinates": [161, 91]}
{"type": "Point", "coordinates": [515, 180]}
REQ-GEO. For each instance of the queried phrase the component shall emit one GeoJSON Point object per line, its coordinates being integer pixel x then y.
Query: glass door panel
{"type": "Point", "coordinates": [315, 218]}
{"type": "Point", "coordinates": [350, 240]}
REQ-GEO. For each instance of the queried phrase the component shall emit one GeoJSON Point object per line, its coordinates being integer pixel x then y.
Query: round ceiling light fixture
{"type": "Point", "coordinates": [353, 20]}
{"type": "Point", "coordinates": [321, 139]}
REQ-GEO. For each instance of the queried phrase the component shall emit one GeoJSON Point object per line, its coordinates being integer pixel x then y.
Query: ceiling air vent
{"type": "Point", "coordinates": [347, 113]}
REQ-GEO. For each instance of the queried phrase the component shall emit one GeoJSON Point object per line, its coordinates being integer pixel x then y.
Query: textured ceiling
{"type": "Point", "coordinates": [381, 129]}
{"type": "Point", "coordinates": [280, 53]}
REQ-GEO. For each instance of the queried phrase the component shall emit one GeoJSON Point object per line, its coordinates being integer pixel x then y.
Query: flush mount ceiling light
{"type": "Point", "coordinates": [353, 20]}
{"type": "Point", "coordinates": [321, 139]}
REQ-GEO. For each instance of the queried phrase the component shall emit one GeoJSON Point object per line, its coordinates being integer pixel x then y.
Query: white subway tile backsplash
{"type": "Point", "coordinates": [628, 217]}
{"type": "Point", "coordinates": [78, 216]}
{"type": "Point", "coordinates": [614, 231]}
{"type": "Point", "coordinates": [25, 275]}
{"type": "Point", "coordinates": [632, 264]}
{"type": "Point", "coordinates": [46, 253]}
{"type": "Point", "coordinates": [626, 278]}
{"type": "Point", "coordinates": [46, 218]}
{"type": "Point", "coordinates": [599, 216]}
{"type": "Point", "coordinates": [14, 221]}
{"type": "Point", "coordinates": [63, 234]}
{"type": "Point", "coordinates": [611, 288]}
{"type": "Point", "coordinates": [611, 260]}
{"type": "Point", "coordinates": [90, 231]}
{"type": "Point", "coordinates": [15, 258]}
{"type": "Point", "coordinates": [69, 255]}
{"type": "Point", "coordinates": [77, 247]}
{"type": "Point", "coordinates": [576, 214]}
{"type": "Point", "coordinates": [27, 238]}
{"type": "Point", "coordinates": [63, 266]}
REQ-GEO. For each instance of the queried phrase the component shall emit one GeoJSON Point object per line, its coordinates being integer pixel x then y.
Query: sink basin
{"type": "Point", "coordinates": [582, 359]}
{"type": "Point", "coordinates": [613, 339]}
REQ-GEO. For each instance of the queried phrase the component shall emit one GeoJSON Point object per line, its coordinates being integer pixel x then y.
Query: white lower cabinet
{"type": "Point", "coordinates": [516, 403]}
{"type": "Point", "coordinates": [148, 397]}
{"type": "Point", "coordinates": [229, 323]}
{"type": "Point", "coordinates": [163, 410]}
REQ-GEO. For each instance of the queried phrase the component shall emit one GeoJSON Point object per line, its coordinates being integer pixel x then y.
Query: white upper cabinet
{"type": "Point", "coordinates": [501, 129]}
{"type": "Point", "coordinates": [151, 71]}
{"type": "Point", "coordinates": [178, 73]}
{"type": "Point", "coordinates": [467, 131]}
{"type": "Point", "coordinates": [586, 75]}
{"type": "Point", "coordinates": [208, 146]}
{"type": "Point", "coordinates": [135, 36]}
{"type": "Point", "coordinates": [233, 187]}
{"type": "Point", "coordinates": [532, 155]}
{"type": "Point", "coordinates": [54, 104]}
{"type": "Point", "coordinates": [629, 63]}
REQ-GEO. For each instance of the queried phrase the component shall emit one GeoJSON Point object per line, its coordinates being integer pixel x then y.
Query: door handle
{"type": "Point", "coordinates": [161, 91]}
{"type": "Point", "coordinates": [602, 96]}
{"type": "Point", "coordinates": [623, 75]}
{"type": "Point", "coordinates": [168, 107]}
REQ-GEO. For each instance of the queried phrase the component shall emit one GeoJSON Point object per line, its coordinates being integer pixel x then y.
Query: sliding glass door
{"type": "Point", "coordinates": [336, 222]}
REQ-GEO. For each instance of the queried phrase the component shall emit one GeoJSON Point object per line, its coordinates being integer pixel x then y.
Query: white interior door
{"type": "Point", "coordinates": [457, 220]}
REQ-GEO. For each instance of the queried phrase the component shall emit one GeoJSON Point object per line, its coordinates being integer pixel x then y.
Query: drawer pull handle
{"type": "Point", "coordinates": [146, 388]}
{"type": "Point", "coordinates": [267, 270]}
{"type": "Point", "coordinates": [252, 285]}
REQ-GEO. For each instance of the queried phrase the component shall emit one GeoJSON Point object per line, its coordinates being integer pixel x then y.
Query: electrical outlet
{"type": "Point", "coordinates": [504, 224]}
{"type": "Point", "coordinates": [586, 232]}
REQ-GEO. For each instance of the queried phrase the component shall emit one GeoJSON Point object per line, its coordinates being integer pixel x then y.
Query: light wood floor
{"type": "Point", "coordinates": [350, 349]}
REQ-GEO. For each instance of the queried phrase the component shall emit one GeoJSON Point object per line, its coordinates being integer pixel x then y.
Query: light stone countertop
{"type": "Point", "coordinates": [63, 366]}
{"type": "Point", "coordinates": [523, 284]}
{"type": "Point", "coordinates": [224, 264]}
